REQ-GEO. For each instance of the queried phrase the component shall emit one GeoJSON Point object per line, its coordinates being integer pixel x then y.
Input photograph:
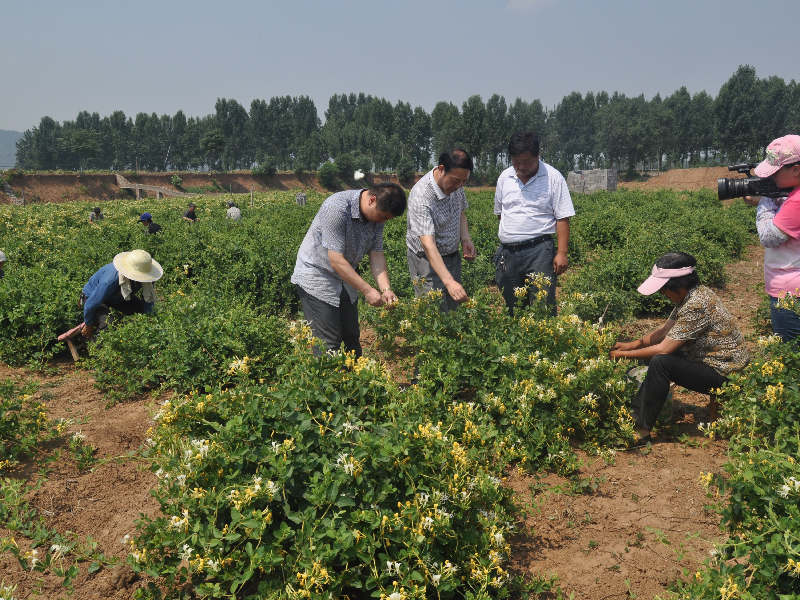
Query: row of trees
{"type": "Point", "coordinates": [362, 131]}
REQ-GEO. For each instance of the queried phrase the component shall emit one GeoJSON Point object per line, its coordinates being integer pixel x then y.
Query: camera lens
{"type": "Point", "coordinates": [728, 188]}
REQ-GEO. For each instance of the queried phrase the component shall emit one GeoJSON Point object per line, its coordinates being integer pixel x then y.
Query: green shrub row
{"type": "Point", "coordinates": [193, 341]}
{"type": "Point", "coordinates": [758, 495]}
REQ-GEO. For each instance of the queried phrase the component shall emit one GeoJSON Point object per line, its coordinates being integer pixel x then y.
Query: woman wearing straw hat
{"type": "Point", "coordinates": [115, 286]}
{"type": "Point", "coordinates": [697, 348]}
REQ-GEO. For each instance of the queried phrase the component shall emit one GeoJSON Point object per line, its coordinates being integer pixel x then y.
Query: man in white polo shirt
{"type": "Point", "coordinates": [437, 226]}
{"type": "Point", "coordinates": [532, 202]}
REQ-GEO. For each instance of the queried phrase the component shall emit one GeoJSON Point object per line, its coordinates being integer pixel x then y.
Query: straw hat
{"type": "Point", "coordinates": [138, 265]}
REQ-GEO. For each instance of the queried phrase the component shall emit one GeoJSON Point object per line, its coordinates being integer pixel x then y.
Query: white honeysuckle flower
{"type": "Point", "coordinates": [273, 489]}
{"type": "Point", "coordinates": [427, 523]}
{"type": "Point", "coordinates": [187, 552]}
{"type": "Point", "coordinates": [436, 579]}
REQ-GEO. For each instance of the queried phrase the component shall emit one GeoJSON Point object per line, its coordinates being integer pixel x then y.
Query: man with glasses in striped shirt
{"type": "Point", "coordinates": [437, 226]}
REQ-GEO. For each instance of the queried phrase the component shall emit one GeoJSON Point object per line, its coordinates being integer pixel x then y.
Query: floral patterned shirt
{"type": "Point", "coordinates": [710, 333]}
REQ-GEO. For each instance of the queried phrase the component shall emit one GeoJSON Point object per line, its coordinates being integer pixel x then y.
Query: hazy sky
{"type": "Point", "coordinates": [59, 58]}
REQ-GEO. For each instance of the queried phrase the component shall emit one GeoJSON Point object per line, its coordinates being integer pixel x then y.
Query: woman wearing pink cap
{"type": "Point", "coordinates": [778, 224]}
{"type": "Point", "coordinates": [697, 348]}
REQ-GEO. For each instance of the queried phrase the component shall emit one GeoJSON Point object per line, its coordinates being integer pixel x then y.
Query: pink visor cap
{"type": "Point", "coordinates": [783, 151]}
{"type": "Point", "coordinates": [661, 276]}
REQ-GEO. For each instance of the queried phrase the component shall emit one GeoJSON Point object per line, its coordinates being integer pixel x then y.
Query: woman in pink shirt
{"type": "Point", "coordinates": [778, 223]}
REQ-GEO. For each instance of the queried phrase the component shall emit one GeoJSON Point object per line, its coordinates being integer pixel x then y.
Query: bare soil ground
{"type": "Point", "coordinates": [683, 179]}
{"type": "Point", "coordinates": [102, 502]}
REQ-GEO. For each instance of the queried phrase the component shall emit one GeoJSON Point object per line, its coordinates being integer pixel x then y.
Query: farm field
{"type": "Point", "coordinates": [307, 477]}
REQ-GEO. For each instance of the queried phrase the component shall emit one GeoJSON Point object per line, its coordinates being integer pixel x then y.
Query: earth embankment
{"type": "Point", "coordinates": [683, 179]}
{"type": "Point", "coordinates": [53, 187]}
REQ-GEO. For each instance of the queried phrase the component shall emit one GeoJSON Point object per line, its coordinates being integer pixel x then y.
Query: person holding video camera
{"type": "Point", "coordinates": [778, 224]}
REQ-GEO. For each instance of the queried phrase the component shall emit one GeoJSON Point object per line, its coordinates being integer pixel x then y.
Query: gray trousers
{"type": "Point", "coordinates": [513, 266]}
{"type": "Point", "coordinates": [332, 324]}
{"type": "Point", "coordinates": [420, 268]}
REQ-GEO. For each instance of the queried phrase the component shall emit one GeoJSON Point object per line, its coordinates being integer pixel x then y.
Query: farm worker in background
{"type": "Point", "coordinates": [190, 215]}
{"type": "Point", "coordinates": [532, 202]}
{"type": "Point", "coordinates": [3, 260]}
{"type": "Point", "coordinates": [778, 224]}
{"type": "Point", "coordinates": [115, 286]}
{"type": "Point", "coordinates": [348, 226]}
{"type": "Point", "coordinates": [697, 348]}
{"type": "Point", "coordinates": [437, 226]}
{"type": "Point", "coordinates": [149, 226]}
{"type": "Point", "coordinates": [233, 211]}
{"type": "Point", "coordinates": [96, 215]}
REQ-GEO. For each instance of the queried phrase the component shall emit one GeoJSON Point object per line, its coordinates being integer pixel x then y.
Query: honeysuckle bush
{"type": "Point", "coordinates": [334, 481]}
{"type": "Point", "coordinates": [544, 380]}
{"type": "Point", "coordinates": [53, 250]}
{"type": "Point", "coordinates": [193, 341]}
{"type": "Point", "coordinates": [24, 424]}
{"type": "Point", "coordinates": [615, 238]}
{"type": "Point", "coordinates": [758, 496]}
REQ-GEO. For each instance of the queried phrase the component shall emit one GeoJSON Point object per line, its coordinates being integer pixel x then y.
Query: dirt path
{"type": "Point", "coordinates": [594, 543]}
{"type": "Point", "coordinates": [101, 502]}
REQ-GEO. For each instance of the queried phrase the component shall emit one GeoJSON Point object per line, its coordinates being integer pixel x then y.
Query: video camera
{"type": "Point", "coordinates": [748, 186]}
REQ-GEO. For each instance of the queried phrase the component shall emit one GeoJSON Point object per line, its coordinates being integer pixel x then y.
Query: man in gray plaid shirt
{"type": "Point", "coordinates": [348, 226]}
{"type": "Point", "coordinates": [437, 226]}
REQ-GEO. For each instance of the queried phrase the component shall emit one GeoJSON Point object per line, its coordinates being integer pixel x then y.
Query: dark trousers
{"type": "Point", "coordinates": [785, 322]}
{"type": "Point", "coordinates": [332, 324]}
{"type": "Point", "coordinates": [666, 368]}
{"type": "Point", "coordinates": [513, 267]}
{"type": "Point", "coordinates": [420, 269]}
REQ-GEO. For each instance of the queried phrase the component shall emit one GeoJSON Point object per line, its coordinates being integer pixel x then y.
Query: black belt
{"type": "Point", "coordinates": [534, 242]}
{"type": "Point", "coordinates": [451, 255]}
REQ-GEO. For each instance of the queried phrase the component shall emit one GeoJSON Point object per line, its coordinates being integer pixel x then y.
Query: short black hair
{"type": "Point", "coordinates": [97, 210]}
{"type": "Point", "coordinates": [192, 205]}
{"type": "Point", "coordinates": [523, 141]}
{"type": "Point", "coordinates": [231, 203]}
{"type": "Point", "coordinates": [390, 196]}
{"type": "Point", "coordinates": [679, 260]}
{"type": "Point", "coordinates": [456, 158]}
